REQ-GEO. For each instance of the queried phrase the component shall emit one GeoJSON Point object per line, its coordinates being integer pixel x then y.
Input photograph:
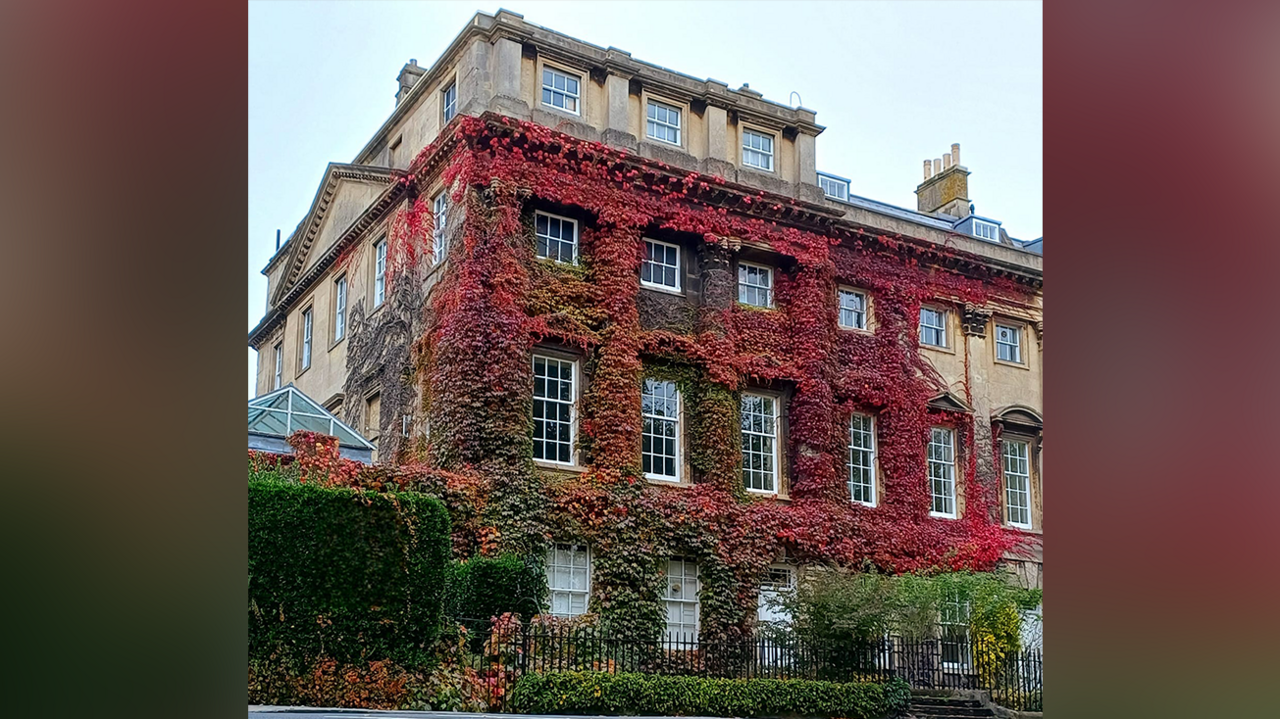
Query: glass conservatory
{"type": "Point", "coordinates": [276, 415]}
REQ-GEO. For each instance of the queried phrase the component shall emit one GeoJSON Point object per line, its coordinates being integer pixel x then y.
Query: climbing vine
{"type": "Point", "coordinates": [497, 302]}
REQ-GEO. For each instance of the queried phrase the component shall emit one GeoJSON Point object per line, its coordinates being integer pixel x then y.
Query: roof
{"type": "Point", "coordinates": [280, 413]}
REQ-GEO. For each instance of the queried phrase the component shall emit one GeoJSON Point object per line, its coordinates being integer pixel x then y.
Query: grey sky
{"type": "Point", "coordinates": [893, 82]}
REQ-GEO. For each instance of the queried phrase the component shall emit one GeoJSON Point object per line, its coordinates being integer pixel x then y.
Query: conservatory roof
{"type": "Point", "coordinates": [287, 410]}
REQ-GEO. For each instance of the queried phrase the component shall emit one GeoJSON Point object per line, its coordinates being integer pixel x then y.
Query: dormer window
{"type": "Point", "coordinates": [837, 188]}
{"type": "Point", "coordinates": [986, 231]}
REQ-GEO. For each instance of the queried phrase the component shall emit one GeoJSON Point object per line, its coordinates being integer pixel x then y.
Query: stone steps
{"type": "Point", "coordinates": [936, 707]}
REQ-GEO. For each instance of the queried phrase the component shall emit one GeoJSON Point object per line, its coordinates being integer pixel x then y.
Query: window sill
{"type": "Point", "coordinates": [335, 344]}
{"type": "Point", "coordinates": [859, 330]}
{"type": "Point", "coordinates": [936, 348]}
{"type": "Point", "coordinates": [559, 110]}
{"type": "Point", "coordinates": [664, 143]}
{"type": "Point", "coordinates": [755, 308]}
{"type": "Point", "coordinates": [661, 288]}
{"type": "Point", "coordinates": [1018, 365]}
{"type": "Point", "coordinates": [940, 515]}
{"type": "Point", "coordinates": [556, 467]}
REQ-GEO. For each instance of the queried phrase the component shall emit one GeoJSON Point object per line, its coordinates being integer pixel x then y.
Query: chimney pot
{"type": "Point", "coordinates": [955, 153]}
{"type": "Point", "coordinates": [928, 169]}
{"type": "Point", "coordinates": [937, 165]}
{"type": "Point", "coordinates": [946, 160]}
{"type": "Point", "coordinates": [277, 240]}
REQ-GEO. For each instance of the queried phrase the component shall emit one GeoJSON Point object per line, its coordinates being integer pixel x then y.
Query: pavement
{"type": "Point", "coordinates": [271, 712]}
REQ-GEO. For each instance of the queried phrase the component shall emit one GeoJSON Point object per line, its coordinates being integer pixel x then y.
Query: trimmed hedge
{"type": "Point", "coordinates": [656, 694]}
{"type": "Point", "coordinates": [485, 587]}
{"type": "Point", "coordinates": [346, 574]}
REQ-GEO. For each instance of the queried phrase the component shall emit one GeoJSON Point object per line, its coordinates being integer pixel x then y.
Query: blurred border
{"type": "Point", "coordinates": [124, 194]}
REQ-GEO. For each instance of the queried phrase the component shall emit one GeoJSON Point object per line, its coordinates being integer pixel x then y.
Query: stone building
{"type": "Point", "coordinates": [344, 332]}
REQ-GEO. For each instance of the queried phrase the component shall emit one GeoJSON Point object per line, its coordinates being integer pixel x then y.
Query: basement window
{"type": "Point", "coordinates": [569, 579]}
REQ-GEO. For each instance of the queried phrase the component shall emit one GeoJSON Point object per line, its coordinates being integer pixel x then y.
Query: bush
{"type": "Point", "coordinates": [487, 587]}
{"type": "Point", "coordinates": [353, 576]}
{"type": "Point", "coordinates": [655, 694]}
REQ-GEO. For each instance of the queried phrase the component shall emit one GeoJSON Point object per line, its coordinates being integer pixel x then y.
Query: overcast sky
{"type": "Point", "coordinates": [893, 82]}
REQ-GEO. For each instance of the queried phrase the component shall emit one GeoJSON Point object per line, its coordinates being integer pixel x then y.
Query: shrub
{"type": "Point", "coordinates": [487, 587]}
{"type": "Point", "coordinates": [839, 605]}
{"type": "Point", "coordinates": [353, 576]}
{"type": "Point", "coordinates": [655, 694]}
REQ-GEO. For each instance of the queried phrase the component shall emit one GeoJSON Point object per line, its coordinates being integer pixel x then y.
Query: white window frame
{"type": "Point", "coordinates": [681, 635]}
{"type": "Point", "coordinates": [573, 550]}
{"type": "Point", "coordinates": [568, 75]}
{"type": "Point", "coordinates": [664, 419]}
{"type": "Point", "coordinates": [279, 360]}
{"type": "Point", "coordinates": [449, 107]}
{"type": "Point", "coordinates": [774, 438]}
{"type": "Point", "coordinates": [772, 587]}
{"type": "Point", "coordinates": [379, 272]}
{"type": "Point", "coordinates": [549, 238]}
{"type": "Point", "coordinates": [768, 290]}
{"type": "Point", "coordinates": [658, 104]}
{"type": "Point", "coordinates": [1016, 344]}
{"type": "Point", "coordinates": [944, 316]}
{"type": "Point", "coordinates": [871, 467]}
{"type": "Point", "coordinates": [340, 308]}
{"type": "Point", "coordinates": [956, 613]}
{"type": "Point", "coordinates": [440, 218]}
{"type": "Point", "coordinates": [573, 409]}
{"type": "Point", "coordinates": [986, 231]}
{"type": "Point", "coordinates": [942, 470]}
{"type": "Point", "coordinates": [747, 134]}
{"type": "Point", "coordinates": [679, 267]}
{"type": "Point", "coordinates": [1016, 467]}
{"type": "Point", "coordinates": [308, 326]}
{"type": "Point", "coordinates": [825, 181]}
{"type": "Point", "coordinates": [866, 308]}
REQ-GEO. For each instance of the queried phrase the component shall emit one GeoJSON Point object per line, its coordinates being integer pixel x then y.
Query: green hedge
{"type": "Point", "coordinates": [351, 575]}
{"type": "Point", "coordinates": [484, 587]}
{"type": "Point", "coordinates": [654, 694]}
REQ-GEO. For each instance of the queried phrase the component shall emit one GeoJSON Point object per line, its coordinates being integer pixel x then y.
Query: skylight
{"type": "Point", "coordinates": [287, 410]}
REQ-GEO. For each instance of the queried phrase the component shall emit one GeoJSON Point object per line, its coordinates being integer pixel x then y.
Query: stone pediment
{"type": "Point", "coordinates": [1019, 417]}
{"type": "Point", "coordinates": [345, 192]}
{"type": "Point", "coordinates": [947, 402]}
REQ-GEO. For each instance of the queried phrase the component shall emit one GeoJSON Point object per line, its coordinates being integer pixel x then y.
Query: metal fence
{"type": "Point", "coordinates": [1013, 679]}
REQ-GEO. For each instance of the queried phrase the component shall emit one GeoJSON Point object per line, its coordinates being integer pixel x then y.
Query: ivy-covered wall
{"type": "Point", "coordinates": [497, 302]}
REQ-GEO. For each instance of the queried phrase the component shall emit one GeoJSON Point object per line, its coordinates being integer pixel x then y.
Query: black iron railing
{"type": "Point", "coordinates": [1013, 679]}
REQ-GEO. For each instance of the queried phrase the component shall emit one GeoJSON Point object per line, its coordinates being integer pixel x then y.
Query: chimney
{"type": "Point", "coordinates": [408, 77]}
{"type": "Point", "coordinates": [945, 189]}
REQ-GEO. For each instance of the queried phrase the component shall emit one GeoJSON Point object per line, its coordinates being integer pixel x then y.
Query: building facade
{"type": "Point", "coordinates": [682, 358]}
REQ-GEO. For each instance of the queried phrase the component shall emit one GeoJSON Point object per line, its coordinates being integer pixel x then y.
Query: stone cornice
{"type": "Point", "coordinates": [819, 218]}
